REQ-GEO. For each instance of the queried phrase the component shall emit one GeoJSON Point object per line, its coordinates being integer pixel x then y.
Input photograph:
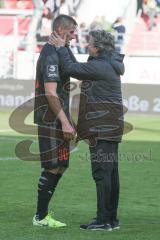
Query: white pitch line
{"type": "Point", "coordinates": [14, 138]}
{"type": "Point", "coordinates": [6, 130]}
{"type": "Point", "coordinates": [75, 150]}
{"type": "Point", "coordinates": [15, 158]}
{"type": "Point", "coordinates": [8, 158]}
{"type": "Point", "coordinates": [12, 130]}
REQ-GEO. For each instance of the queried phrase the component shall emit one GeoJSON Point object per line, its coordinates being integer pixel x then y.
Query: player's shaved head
{"type": "Point", "coordinates": [63, 21]}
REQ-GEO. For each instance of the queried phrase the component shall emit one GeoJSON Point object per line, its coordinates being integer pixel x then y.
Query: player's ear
{"type": "Point", "coordinates": [59, 30]}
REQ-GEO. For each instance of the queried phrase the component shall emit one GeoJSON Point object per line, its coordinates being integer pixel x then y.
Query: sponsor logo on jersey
{"type": "Point", "coordinates": [52, 70]}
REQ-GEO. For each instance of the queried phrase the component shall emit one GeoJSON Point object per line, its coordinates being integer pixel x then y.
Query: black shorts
{"type": "Point", "coordinates": [54, 151]}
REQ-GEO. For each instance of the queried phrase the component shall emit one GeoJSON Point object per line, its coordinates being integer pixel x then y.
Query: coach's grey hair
{"type": "Point", "coordinates": [63, 21]}
{"type": "Point", "coordinates": [102, 40]}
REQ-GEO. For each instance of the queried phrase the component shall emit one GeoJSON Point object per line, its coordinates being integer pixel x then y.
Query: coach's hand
{"type": "Point", "coordinates": [56, 40]}
{"type": "Point", "coordinates": [68, 131]}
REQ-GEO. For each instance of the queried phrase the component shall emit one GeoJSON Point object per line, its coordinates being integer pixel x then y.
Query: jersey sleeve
{"type": "Point", "coordinates": [50, 68]}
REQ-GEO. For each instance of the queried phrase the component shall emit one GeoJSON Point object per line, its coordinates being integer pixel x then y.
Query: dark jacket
{"type": "Point", "coordinates": [101, 110]}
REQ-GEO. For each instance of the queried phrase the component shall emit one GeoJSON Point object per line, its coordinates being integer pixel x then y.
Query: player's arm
{"type": "Point", "coordinates": [56, 107]}
{"type": "Point", "coordinates": [51, 78]}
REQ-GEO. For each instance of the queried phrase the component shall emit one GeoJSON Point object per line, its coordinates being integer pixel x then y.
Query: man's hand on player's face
{"type": "Point", "coordinates": [56, 40]}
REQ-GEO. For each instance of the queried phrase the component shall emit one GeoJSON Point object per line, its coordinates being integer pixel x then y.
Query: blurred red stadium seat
{"type": "Point", "coordinates": [18, 4]}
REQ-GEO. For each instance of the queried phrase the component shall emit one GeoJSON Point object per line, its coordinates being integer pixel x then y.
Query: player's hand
{"type": "Point", "coordinates": [56, 40]}
{"type": "Point", "coordinates": [68, 131]}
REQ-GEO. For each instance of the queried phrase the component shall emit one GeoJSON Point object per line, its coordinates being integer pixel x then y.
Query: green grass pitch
{"type": "Point", "coordinates": [75, 198]}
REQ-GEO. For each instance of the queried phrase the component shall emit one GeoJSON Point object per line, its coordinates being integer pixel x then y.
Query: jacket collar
{"type": "Point", "coordinates": [106, 54]}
